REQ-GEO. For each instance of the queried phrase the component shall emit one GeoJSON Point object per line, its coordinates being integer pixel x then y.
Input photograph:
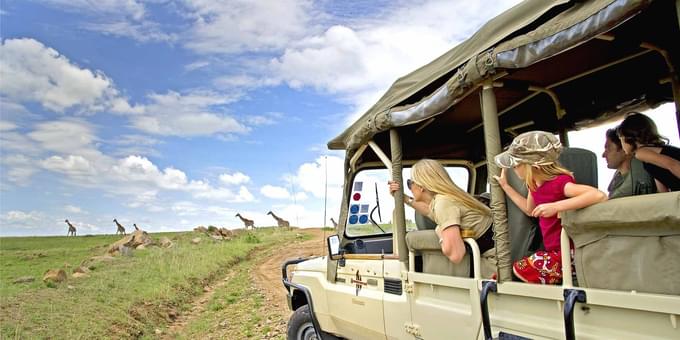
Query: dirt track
{"type": "Point", "coordinates": [265, 276]}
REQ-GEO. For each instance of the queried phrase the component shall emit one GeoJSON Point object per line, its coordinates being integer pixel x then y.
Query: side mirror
{"type": "Point", "coordinates": [334, 246]}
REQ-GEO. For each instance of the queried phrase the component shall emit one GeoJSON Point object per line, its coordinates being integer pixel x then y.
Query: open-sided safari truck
{"type": "Point", "coordinates": [542, 65]}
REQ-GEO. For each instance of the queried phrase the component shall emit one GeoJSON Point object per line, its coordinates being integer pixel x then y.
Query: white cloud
{"type": "Point", "coordinates": [126, 8]}
{"type": "Point", "coordinates": [35, 73]}
{"type": "Point", "coordinates": [242, 25]}
{"type": "Point", "coordinates": [65, 136]}
{"type": "Point", "coordinates": [274, 192]}
{"type": "Point", "coordinates": [73, 209]}
{"type": "Point", "coordinates": [191, 114]}
{"type": "Point", "coordinates": [311, 177]}
{"type": "Point", "coordinates": [141, 169]}
{"type": "Point", "coordinates": [18, 168]}
{"type": "Point", "coordinates": [146, 31]}
{"type": "Point", "coordinates": [234, 179]}
{"type": "Point", "coordinates": [22, 219]}
{"type": "Point", "coordinates": [74, 166]}
{"type": "Point", "coordinates": [7, 126]}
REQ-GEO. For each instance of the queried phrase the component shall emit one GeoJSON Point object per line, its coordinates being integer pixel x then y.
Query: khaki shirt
{"type": "Point", "coordinates": [446, 211]}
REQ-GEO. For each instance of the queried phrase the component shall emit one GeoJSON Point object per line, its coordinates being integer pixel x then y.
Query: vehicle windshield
{"type": "Point", "coordinates": [371, 205]}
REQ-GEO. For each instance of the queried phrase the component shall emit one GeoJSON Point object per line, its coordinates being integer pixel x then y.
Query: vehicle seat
{"type": "Point", "coordinates": [628, 243]}
{"type": "Point", "coordinates": [525, 234]}
{"type": "Point", "coordinates": [426, 244]}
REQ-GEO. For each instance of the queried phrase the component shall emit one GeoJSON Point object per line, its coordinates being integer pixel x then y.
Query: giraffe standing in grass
{"type": "Point", "coordinates": [246, 222]}
{"type": "Point", "coordinates": [281, 222]}
{"type": "Point", "coordinates": [121, 229]}
{"type": "Point", "coordinates": [71, 229]}
{"type": "Point", "coordinates": [335, 224]}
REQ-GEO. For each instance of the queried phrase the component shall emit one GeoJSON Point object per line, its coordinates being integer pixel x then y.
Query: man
{"type": "Point", "coordinates": [630, 177]}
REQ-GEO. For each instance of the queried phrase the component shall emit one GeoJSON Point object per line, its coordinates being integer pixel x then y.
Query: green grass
{"type": "Point", "coordinates": [129, 297]}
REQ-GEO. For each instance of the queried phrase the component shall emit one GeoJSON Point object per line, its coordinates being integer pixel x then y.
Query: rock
{"type": "Point", "coordinates": [133, 240]}
{"type": "Point", "coordinates": [70, 287]}
{"type": "Point", "coordinates": [201, 229]}
{"type": "Point", "coordinates": [79, 275]}
{"type": "Point", "coordinates": [196, 240]}
{"type": "Point", "coordinates": [165, 242]}
{"type": "Point", "coordinates": [54, 275]}
{"type": "Point", "coordinates": [206, 289]}
{"type": "Point", "coordinates": [141, 247]}
{"type": "Point", "coordinates": [91, 262]}
{"type": "Point", "coordinates": [224, 323]}
{"type": "Point", "coordinates": [82, 270]}
{"type": "Point", "coordinates": [217, 237]}
{"type": "Point", "coordinates": [24, 279]}
{"type": "Point", "coordinates": [225, 232]}
{"type": "Point", "coordinates": [158, 331]}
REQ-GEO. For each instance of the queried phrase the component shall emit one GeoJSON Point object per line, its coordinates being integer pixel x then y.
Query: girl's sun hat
{"type": "Point", "coordinates": [533, 147]}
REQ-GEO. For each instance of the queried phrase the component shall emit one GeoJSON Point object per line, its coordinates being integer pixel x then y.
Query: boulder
{"type": "Point", "coordinates": [54, 275]}
{"type": "Point", "coordinates": [81, 269]}
{"type": "Point", "coordinates": [24, 279]}
{"type": "Point", "coordinates": [225, 232]}
{"type": "Point", "coordinates": [217, 237]}
{"type": "Point", "coordinates": [201, 229]}
{"type": "Point", "coordinates": [141, 247]}
{"type": "Point", "coordinates": [165, 242]}
{"type": "Point", "coordinates": [196, 240]}
{"type": "Point", "coordinates": [91, 262]}
{"type": "Point", "coordinates": [132, 240]}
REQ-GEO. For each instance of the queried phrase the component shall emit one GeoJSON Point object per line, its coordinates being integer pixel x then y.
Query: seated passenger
{"type": "Point", "coordinates": [436, 196]}
{"type": "Point", "coordinates": [639, 138]}
{"type": "Point", "coordinates": [533, 156]}
{"type": "Point", "coordinates": [630, 178]}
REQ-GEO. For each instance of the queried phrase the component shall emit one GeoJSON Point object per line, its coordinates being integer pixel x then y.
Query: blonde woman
{"type": "Point", "coordinates": [533, 156]}
{"type": "Point", "coordinates": [437, 197]}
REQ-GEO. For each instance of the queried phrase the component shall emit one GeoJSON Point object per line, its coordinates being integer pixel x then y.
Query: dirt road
{"type": "Point", "coordinates": [264, 275]}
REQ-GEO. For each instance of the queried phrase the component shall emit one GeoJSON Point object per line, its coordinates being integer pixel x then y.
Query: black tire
{"type": "Point", "coordinates": [300, 326]}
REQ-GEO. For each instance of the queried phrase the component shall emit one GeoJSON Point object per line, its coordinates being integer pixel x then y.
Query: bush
{"type": "Point", "coordinates": [252, 238]}
{"type": "Point", "coordinates": [212, 229]}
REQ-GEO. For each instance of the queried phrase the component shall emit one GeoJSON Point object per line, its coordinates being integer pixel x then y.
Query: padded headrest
{"type": "Point", "coordinates": [583, 163]}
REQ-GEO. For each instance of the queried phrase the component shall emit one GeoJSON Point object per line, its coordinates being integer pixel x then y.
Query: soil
{"type": "Point", "coordinates": [266, 278]}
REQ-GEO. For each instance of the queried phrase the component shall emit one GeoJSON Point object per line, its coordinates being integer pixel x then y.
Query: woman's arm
{"type": "Point", "coordinates": [580, 196]}
{"type": "Point", "coordinates": [525, 204]}
{"type": "Point", "coordinates": [648, 155]}
{"type": "Point", "coordinates": [453, 246]}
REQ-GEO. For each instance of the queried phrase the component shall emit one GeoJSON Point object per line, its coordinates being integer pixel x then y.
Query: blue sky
{"type": "Point", "coordinates": [174, 114]}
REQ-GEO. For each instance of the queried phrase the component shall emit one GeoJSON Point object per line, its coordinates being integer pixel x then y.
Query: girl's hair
{"type": "Point", "coordinates": [533, 173]}
{"type": "Point", "coordinates": [639, 130]}
{"type": "Point", "coordinates": [431, 175]}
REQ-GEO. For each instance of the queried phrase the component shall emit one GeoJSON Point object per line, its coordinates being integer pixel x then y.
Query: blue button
{"type": "Point", "coordinates": [354, 209]}
{"type": "Point", "coordinates": [363, 219]}
{"type": "Point", "coordinates": [353, 219]}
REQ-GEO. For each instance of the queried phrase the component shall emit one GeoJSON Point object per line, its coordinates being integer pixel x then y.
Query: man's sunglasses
{"type": "Point", "coordinates": [409, 183]}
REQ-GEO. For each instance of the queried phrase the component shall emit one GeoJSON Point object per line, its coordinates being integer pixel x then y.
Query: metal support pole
{"type": "Point", "coordinates": [492, 140]}
{"type": "Point", "coordinates": [399, 214]}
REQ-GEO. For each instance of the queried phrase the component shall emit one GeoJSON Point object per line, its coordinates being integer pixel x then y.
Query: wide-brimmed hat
{"type": "Point", "coordinates": [533, 147]}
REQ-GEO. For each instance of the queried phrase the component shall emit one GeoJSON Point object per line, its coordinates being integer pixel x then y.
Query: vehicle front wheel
{"type": "Point", "coordinates": [300, 326]}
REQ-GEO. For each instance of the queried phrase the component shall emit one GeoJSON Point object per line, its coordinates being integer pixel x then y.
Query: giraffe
{"type": "Point", "coordinates": [246, 222]}
{"type": "Point", "coordinates": [135, 224]}
{"type": "Point", "coordinates": [281, 222]}
{"type": "Point", "coordinates": [121, 229]}
{"type": "Point", "coordinates": [335, 224]}
{"type": "Point", "coordinates": [71, 229]}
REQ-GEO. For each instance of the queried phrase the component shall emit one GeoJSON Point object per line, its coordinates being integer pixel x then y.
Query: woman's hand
{"type": "Point", "coordinates": [394, 187]}
{"type": "Point", "coordinates": [502, 180]}
{"type": "Point", "coordinates": [545, 210]}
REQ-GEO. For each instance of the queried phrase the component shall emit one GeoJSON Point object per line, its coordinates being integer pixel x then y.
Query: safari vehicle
{"type": "Point", "coordinates": [557, 66]}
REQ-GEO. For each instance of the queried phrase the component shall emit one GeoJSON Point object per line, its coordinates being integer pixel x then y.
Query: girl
{"type": "Point", "coordinates": [437, 197]}
{"type": "Point", "coordinates": [640, 138]}
{"type": "Point", "coordinates": [533, 156]}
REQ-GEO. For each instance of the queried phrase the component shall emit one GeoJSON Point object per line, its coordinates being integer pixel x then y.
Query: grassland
{"type": "Point", "coordinates": [126, 298]}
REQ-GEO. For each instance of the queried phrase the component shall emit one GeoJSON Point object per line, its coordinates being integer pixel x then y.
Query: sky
{"type": "Point", "coordinates": [177, 113]}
